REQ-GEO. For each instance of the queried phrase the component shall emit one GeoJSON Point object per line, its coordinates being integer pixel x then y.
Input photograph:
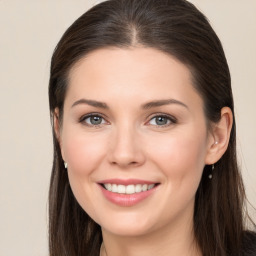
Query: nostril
{"type": "Point", "coordinates": [133, 163]}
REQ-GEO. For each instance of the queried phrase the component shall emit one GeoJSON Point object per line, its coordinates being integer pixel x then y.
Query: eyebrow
{"type": "Point", "coordinates": [159, 103]}
{"type": "Point", "coordinates": [93, 103]}
{"type": "Point", "coordinates": [148, 105]}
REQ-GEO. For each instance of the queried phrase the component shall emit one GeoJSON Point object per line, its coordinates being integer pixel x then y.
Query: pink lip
{"type": "Point", "coordinates": [126, 199]}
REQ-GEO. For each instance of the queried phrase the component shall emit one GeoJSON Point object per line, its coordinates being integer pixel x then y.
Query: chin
{"type": "Point", "coordinates": [128, 226]}
{"type": "Point", "coordinates": [125, 230]}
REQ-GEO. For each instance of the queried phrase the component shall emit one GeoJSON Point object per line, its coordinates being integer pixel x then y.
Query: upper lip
{"type": "Point", "coordinates": [126, 181]}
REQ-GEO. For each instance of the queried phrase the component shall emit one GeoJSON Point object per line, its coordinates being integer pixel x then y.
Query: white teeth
{"type": "Point", "coordinates": [145, 187]}
{"type": "Point", "coordinates": [114, 188]}
{"type": "Point", "coordinates": [151, 186]}
{"type": "Point", "coordinates": [129, 189]}
{"type": "Point", "coordinates": [138, 188]}
{"type": "Point", "coordinates": [108, 186]}
{"type": "Point", "coordinates": [121, 189]}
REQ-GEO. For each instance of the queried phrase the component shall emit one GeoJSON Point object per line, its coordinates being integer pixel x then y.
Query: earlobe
{"type": "Point", "coordinates": [218, 143]}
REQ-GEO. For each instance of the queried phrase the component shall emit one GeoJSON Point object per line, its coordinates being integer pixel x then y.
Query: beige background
{"type": "Point", "coordinates": [29, 31]}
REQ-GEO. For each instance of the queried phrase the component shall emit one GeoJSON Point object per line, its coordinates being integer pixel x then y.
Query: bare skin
{"type": "Point", "coordinates": [134, 114]}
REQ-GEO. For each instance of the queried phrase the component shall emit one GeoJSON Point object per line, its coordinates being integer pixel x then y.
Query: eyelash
{"type": "Point", "coordinates": [170, 119]}
{"type": "Point", "coordinates": [83, 118]}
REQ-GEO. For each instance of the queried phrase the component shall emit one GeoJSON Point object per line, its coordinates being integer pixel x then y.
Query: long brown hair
{"type": "Point", "coordinates": [177, 28]}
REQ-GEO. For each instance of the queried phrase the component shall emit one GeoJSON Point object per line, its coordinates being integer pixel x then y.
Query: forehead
{"type": "Point", "coordinates": [136, 61]}
{"type": "Point", "coordinates": [130, 74]}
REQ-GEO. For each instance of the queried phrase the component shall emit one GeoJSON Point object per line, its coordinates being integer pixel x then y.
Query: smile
{"type": "Point", "coordinates": [129, 189]}
{"type": "Point", "coordinates": [127, 192]}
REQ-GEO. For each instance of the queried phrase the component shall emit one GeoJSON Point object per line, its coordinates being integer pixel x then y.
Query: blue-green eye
{"type": "Point", "coordinates": [161, 120]}
{"type": "Point", "coordinates": [93, 120]}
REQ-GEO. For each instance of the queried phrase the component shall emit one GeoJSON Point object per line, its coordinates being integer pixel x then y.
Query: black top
{"type": "Point", "coordinates": [249, 244]}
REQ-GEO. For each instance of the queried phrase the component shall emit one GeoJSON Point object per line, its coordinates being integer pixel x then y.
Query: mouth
{"type": "Point", "coordinates": [128, 189]}
{"type": "Point", "coordinates": [127, 192]}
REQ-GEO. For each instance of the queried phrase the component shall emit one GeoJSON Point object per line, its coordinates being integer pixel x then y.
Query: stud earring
{"type": "Point", "coordinates": [210, 175]}
{"type": "Point", "coordinates": [66, 165]}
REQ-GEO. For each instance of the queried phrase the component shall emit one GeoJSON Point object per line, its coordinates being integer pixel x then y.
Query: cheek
{"type": "Point", "coordinates": [83, 152]}
{"type": "Point", "coordinates": [180, 157]}
{"type": "Point", "coordinates": [181, 161]}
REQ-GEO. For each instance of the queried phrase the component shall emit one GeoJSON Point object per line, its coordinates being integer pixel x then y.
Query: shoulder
{"type": "Point", "coordinates": [249, 243]}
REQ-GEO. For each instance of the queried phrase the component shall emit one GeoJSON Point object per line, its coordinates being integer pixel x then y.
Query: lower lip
{"type": "Point", "coordinates": [126, 199]}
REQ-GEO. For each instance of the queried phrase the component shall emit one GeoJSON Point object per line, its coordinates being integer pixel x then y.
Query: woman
{"type": "Point", "coordinates": [144, 136]}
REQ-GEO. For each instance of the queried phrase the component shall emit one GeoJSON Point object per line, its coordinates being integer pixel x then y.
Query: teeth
{"type": "Point", "coordinates": [113, 188]}
{"type": "Point", "coordinates": [129, 189]}
{"type": "Point", "coordinates": [145, 187]}
{"type": "Point", "coordinates": [151, 186]}
{"type": "Point", "coordinates": [138, 188]}
{"type": "Point", "coordinates": [108, 186]}
{"type": "Point", "coordinates": [121, 189]}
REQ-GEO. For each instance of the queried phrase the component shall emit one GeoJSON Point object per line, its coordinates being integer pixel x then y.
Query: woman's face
{"type": "Point", "coordinates": [133, 123]}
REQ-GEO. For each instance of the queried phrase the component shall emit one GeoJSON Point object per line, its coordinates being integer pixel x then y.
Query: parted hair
{"type": "Point", "coordinates": [178, 28]}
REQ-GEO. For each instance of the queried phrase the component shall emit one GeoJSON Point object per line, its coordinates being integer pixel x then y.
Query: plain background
{"type": "Point", "coordinates": [29, 31]}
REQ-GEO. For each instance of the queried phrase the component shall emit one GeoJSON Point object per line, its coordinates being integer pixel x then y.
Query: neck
{"type": "Point", "coordinates": [174, 240]}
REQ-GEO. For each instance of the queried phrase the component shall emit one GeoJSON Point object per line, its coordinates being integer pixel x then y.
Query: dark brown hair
{"type": "Point", "coordinates": [177, 28]}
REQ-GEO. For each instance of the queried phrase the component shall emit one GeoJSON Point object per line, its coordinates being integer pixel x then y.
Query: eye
{"type": "Point", "coordinates": [93, 120]}
{"type": "Point", "coordinates": [162, 120]}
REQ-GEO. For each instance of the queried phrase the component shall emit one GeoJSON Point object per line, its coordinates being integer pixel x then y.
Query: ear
{"type": "Point", "coordinates": [219, 137]}
{"type": "Point", "coordinates": [57, 129]}
{"type": "Point", "coordinates": [56, 123]}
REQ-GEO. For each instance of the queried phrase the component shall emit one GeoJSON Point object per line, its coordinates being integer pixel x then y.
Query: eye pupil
{"type": "Point", "coordinates": [161, 120]}
{"type": "Point", "coordinates": [95, 120]}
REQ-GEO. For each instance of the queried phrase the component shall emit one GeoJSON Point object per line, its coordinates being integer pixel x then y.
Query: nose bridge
{"type": "Point", "coordinates": [125, 147]}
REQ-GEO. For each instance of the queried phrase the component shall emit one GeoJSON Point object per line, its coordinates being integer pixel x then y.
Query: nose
{"type": "Point", "coordinates": [126, 149]}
